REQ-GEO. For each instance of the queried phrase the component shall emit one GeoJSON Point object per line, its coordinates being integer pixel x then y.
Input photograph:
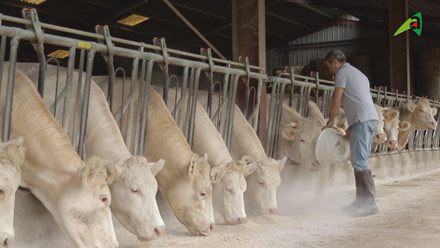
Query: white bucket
{"type": "Point", "coordinates": [331, 147]}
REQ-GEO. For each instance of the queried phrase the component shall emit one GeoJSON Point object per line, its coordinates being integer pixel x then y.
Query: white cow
{"type": "Point", "coordinates": [263, 183]}
{"type": "Point", "coordinates": [227, 175]}
{"type": "Point", "coordinates": [76, 193]}
{"type": "Point", "coordinates": [420, 115]}
{"type": "Point", "coordinates": [298, 135]}
{"type": "Point", "coordinates": [392, 126]}
{"type": "Point", "coordinates": [184, 181]}
{"type": "Point", "coordinates": [135, 181]}
{"type": "Point", "coordinates": [11, 157]}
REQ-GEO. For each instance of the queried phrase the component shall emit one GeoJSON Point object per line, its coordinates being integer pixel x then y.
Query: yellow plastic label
{"type": "Point", "coordinates": [84, 45]}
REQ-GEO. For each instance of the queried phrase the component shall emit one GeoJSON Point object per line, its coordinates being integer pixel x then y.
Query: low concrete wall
{"type": "Point", "coordinates": [35, 227]}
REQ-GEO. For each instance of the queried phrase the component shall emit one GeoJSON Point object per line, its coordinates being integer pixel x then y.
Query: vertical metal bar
{"type": "Point", "coordinates": [57, 82]}
{"type": "Point", "coordinates": [188, 105]}
{"type": "Point", "coordinates": [134, 73]}
{"type": "Point", "coordinates": [257, 106]}
{"type": "Point", "coordinates": [166, 83]}
{"type": "Point", "coordinates": [10, 88]}
{"type": "Point", "coordinates": [85, 107]}
{"type": "Point", "coordinates": [2, 58]}
{"type": "Point", "coordinates": [183, 97]}
{"type": "Point", "coordinates": [247, 93]}
{"type": "Point", "coordinates": [272, 107]}
{"type": "Point", "coordinates": [78, 97]}
{"type": "Point", "coordinates": [278, 120]}
{"type": "Point", "coordinates": [231, 111]}
{"type": "Point", "coordinates": [42, 71]}
{"type": "Point", "coordinates": [69, 77]}
{"type": "Point", "coordinates": [145, 107]}
{"type": "Point", "coordinates": [193, 107]}
{"type": "Point", "coordinates": [210, 93]}
{"type": "Point", "coordinates": [139, 108]}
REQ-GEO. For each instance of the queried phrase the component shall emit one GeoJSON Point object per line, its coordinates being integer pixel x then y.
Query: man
{"type": "Point", "coordinates": [352, 89]}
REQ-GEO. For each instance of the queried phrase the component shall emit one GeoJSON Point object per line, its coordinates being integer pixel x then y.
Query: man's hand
{"type": "Point", "coordinates": [347, 134]}
{"type": "Point", "coordinates": [329, 124]}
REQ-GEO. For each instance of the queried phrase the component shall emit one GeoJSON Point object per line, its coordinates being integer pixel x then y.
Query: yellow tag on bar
{"type": "Point", "coordinates": [84, 45]}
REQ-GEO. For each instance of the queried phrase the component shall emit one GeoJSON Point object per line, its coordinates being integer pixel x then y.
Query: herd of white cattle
{"type": "Point", "coordinates": [82, 195]}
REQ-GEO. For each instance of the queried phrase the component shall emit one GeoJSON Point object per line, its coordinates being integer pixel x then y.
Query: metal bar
{"type": "Point", "coordinates": [188, 105]}
{"type": "Point", "coordinates": [145, 107]}
{"type": "Point", "coordinates": [2, 57]}
{"type": "Point", "coordinates": [69, 77]}
{"type": "Point", "coordinates": [119, 51]}
{"type": "Point", "coordinates": [183, 96]}
{"type": "Point", "coordinates": [10, 88]}
{"type": "Point", "coordinates": [193, 107]}
{"type": "Point", "coordinates": [139, 109]}
{"type": "Point", "coordinates": [78, 97]}
{"type": "Point", "coordinates": [57, 82]}
{"type": "Point", "coordinates": [271, 117]}
{"type": "Point", "coordinates": [120, 41]}
{"type": "Point", "coordinates": [85, 107]}
{"type": "Point", "coordinates": [278, 120]}
{"type": "Point", "coordinates": [257, 106]}
{"type": "Point", "coordinates": [231, 111]}
{"type": "Point", "coordinates": [134, 73]}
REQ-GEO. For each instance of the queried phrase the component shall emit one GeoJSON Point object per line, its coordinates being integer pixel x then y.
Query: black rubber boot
{"type": "Point", "coordinates": [368, 203]}
{"type": "Point", "coordinates": [358, 200]}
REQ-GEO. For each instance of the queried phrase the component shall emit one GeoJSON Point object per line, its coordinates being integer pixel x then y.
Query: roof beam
{"type": "Point", "coordinates": [286, 19]}
{"type": "Point", "coordinates": [208, 13]}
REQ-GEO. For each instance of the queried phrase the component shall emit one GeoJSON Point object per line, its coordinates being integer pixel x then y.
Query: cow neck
{"type": "Point", "coordinates": [244, 139]}
{"type": "Point", "coordinates": [50, 159]}
{"type": "Point", "coordinates": [103, 137]}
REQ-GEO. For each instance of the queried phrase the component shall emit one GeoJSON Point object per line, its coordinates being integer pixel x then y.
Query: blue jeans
{"type": "Point", "coordinates": [361, 137]}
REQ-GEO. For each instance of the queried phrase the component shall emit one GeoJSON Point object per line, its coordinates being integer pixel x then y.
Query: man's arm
{"type": "Point", "coordinates": [335, 105]}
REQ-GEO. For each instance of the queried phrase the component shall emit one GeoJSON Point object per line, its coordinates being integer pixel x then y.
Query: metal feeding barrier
{"type": "Point", "coordinates": [300, 89]}
{"type": "Point", "coordinates": [188, 70]}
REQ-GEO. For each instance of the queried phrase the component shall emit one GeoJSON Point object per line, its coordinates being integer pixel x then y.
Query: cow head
{"type": "Point", "coordinates": [11, 157]}
{"type": "Point", "coordinates": [298, 141]}
{"type": "Point", "coordinates": [422, 115]}
{"type": "Point", "coordinates": [190, 197]}
{"type": "Point", "coordinates": [263, 183]}
{"type": "Point", "coordinates": [228, 186]}
{"type": "Point", "coordinates": [134, 198]}
{"type": "Point", "coordinates": [392, 126]}
{"type": "Point", "coordinates": [83, 210]}
{"type": "Point", "coordinates": [380, 136]}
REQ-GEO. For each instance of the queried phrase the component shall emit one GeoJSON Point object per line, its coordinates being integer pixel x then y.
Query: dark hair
{"type": "Point", "coordinates": [335, 54]}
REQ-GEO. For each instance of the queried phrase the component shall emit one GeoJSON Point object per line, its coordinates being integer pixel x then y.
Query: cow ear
{"type": "Point", "coordinates": [281, 164]}
{"type": "Point", "coordinates": [157, 166]}
{"type": "Point", "coordinates": [95, 168]}
{"type": "Point", "coordinates": [216, 174]}
{"type": "Point", "coordinates": [404, 126]}
{"type": "Point", "coordinates": [191, 168]}
{"type": "Point", "coordinates": [434, 111]}
{"type": "Point", "coordinates": [391, 114]}
{"type": "Point", "coordinates": [288, 131]}
{"type": "Point", "coordinates": [15, 151]}
{"type": "Point", "coordinates": [249, 165]}
{"type": "Point", "coordinates": [411, 106]}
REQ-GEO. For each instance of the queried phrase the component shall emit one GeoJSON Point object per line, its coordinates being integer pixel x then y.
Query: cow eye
{"type": "Point", "coordinates": [302, 140]}
{"type": "Point", "coordinates": [229, 189]}
{"type": "Point", "coordinates": [134, 190]}
{"type": "Point", "coordinates": [261, 184]}
{"type": "Point", "coordinates": [2, 193]}
{"type": "Point", "coordinates": [420, 110]}
{"type": "Point", "coordinates": [202, 193]}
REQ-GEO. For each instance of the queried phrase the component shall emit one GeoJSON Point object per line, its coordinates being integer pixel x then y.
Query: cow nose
{"type": "Point", "coordinates": [380, 136]}
{"type": "Point", "coordinates": [392, 143]}
{"type": "Point", "coordinates": [273, 210]}
{"type": "Point", "coordinates": [159, 230]}
{"type": "Point", "coordinates": [211, 226]}
{"type": "Point", "coordinates": [242, 220]}
{"type": "Point", "coordinates": [6, 240]}
{"type": "Point", "coordinates": [433, 124]}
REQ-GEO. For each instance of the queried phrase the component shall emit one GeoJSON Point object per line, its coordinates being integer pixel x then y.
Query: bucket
{"type": "Point", "coordinates": [331, 147]}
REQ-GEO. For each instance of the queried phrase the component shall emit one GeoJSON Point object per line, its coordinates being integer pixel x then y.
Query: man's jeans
{"type": "Point", "coordinates": [361, 137]}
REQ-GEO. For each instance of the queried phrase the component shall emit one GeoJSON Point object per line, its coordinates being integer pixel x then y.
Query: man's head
{"type": "Point", "coordinates": [334, 61]}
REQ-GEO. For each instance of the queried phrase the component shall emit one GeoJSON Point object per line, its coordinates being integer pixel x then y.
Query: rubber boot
{"type": "Point", "coordinates": [358, 200]}
{"type": "Point", "coordinates": [368, 203]}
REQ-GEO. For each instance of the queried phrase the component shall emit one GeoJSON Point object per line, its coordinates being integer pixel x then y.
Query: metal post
{"type": "Point", "coordinates": [134, 73]}
{"type": "Point", "coordinates": [57, 82]}
{"type": "Point", "coordinates": [70, 68]}
{"type": "Point", "coordinates": [164, 67]}
{"type": "Point", "coordinates": [85, 107]}
{"type": "Point", "coordinates": [231, 111]}
{"type": "Point", "coordinates": [78, 97]}
{"type": "Point", "coordinates": [104, 31]}
{"type": "Point", "coordinates": [210, 76]}
{"type": "Point", "coordinates": [10, 88]}
{"type": "Point", "coordinates": [278, 120]}
{"type": "Point", "coordinates": [193, 107]}
{"type": "Point", "coordinates": [145, 107]}
{"type": "Point", "coordinates": [139, 108]}
{"type": "Point", "coordinates": [2, 57]}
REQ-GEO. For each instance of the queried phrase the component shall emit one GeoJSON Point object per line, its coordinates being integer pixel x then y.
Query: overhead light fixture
{"type": "Point", "coordinates": [36, 2]}
{"type": "Point", "coordinates": [132, 20]}
{"type": "Point", "coordinates": [59, 54]}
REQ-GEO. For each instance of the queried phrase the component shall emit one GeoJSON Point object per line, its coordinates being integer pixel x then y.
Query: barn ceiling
{"type": "Point", "coordinates": [285, 19]}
